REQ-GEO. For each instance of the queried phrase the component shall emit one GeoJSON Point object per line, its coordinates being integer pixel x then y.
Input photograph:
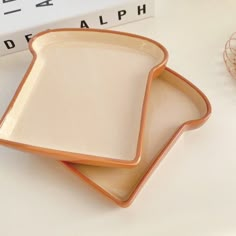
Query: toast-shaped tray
{"type": "Point", "coordinates": [83, 98]}
{"type": "Point", "coordinates": [175, 105]}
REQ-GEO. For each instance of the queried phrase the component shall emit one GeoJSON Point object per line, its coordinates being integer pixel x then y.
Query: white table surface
{"type": "Point", "coordinates": [193, 192]}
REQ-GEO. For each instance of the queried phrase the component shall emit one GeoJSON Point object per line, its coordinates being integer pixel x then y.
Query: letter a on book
{"type": "Point", "coordinates": [44, 4]}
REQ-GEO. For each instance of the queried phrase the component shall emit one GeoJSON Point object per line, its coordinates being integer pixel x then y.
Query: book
{"type": "Point", "coordinates": [21, 19]}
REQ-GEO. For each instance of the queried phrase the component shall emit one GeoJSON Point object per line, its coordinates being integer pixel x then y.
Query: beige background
{"type": "Point", "coordinates": [192, 192]}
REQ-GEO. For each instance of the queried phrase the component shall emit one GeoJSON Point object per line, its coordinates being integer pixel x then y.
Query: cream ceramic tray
{"type": "Point", "coordinates": [83, 98]}
{"type": "Point", "coordinates": [175, 105]}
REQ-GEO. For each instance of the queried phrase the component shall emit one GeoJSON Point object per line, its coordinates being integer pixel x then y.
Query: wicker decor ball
{"type": "Point", "coordinates": [230, 55]}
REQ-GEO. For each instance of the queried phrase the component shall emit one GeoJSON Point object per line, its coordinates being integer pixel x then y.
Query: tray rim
{"type": "Point", "coordinates": [189, 125]}
{"type": "Point", "coordinates": [78, 157]}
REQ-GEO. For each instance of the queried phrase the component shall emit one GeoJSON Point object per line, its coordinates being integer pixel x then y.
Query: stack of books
{"type": "Point", "coordinates": [20, 20]}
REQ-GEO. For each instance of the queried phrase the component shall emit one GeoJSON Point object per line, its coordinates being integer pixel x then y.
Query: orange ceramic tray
{"type": "Point", "coordinates": [83, 98]}
{"type": "Point", "coordinates": [175, 105]}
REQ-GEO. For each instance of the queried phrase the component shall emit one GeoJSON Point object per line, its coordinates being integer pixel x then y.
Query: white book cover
{"type": "Point", "coordinates": [21, 19]}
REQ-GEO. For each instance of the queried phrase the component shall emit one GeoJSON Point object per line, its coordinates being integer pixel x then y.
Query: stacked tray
{"type": "Point", "coordinates": [104, 104]}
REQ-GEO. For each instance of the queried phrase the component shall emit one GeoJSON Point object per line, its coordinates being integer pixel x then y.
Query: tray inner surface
{"type": "Point", "coordinates": [84, 94]}
{"type": "Point", "coordinates": [172, 102]}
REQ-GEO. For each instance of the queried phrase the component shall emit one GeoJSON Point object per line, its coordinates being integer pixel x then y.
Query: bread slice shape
{"type": "Point", "coordinates": [83, 98]}
{"type": "Point", "coordinates": [175, 105]}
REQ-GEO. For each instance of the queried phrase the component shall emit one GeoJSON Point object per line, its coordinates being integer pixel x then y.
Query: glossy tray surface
{"type": "Point", "coordinates": [175, 105]}
{"type": "Point", "coordinates": [84, 96]}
